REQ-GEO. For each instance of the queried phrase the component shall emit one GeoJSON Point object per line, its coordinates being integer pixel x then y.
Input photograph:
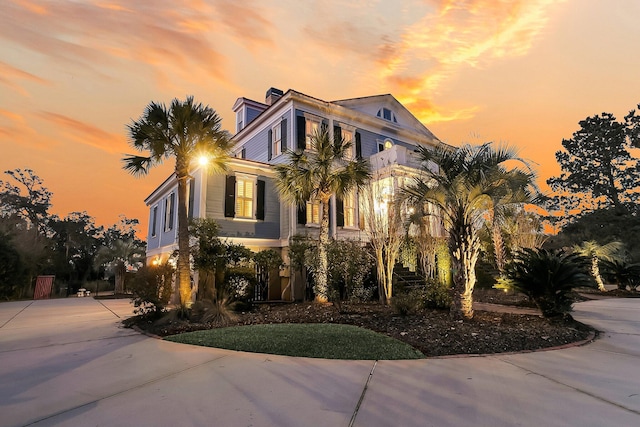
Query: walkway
{"type": "Point", "coordinates": [68, 363]}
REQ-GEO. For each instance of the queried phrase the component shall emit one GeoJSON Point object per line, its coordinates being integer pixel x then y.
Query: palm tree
{"type": "Point", "coordinates": [596, 252]}
{"type": "Point", "coordinates": [317, 174]}
{"type": "Point", "coordinates": [184, 131]}
{"type": "Point", "coordinates": [464, 184]}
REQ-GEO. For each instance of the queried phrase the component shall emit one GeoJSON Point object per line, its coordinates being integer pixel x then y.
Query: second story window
{"type": "Point", "coordinates": [277, 140]}
{"type": "Point", "coordinates": [312, 128]}
{"type": "Point", "coordinates": [154, 221]}
{"type": "Point", "coordinates": [347, 135]}
{"type": "Point", "coordinates": [169, 204]}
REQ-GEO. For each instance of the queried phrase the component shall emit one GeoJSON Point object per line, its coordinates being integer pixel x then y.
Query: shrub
{"type": "Point", "coordinates": [437, 295]}
{"type": "Point", "coordinates": [547, 277]}
{"type": "Point", "coordinates": [218, 312]}
{"type": "Point", "coordinates": [151, 287]}
{"type": "Point", "coordinates": [407, 302]}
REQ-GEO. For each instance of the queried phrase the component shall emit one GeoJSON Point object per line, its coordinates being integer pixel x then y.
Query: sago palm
{"type": "Point", "coordinates": [316, 175]}
{"type": "Point", "coordinates": [464, 184]}
{"type": "Point", "coordinates": [184, 131]}
{"type": "Point", "coordinates": [546, 277]}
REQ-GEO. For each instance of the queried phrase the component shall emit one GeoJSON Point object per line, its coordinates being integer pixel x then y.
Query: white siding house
{"type": "Point", "coordinates": [245, 202]}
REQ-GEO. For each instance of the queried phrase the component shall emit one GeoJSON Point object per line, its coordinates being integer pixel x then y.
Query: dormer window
{"type": "Point", "coordinates": [387, 114]}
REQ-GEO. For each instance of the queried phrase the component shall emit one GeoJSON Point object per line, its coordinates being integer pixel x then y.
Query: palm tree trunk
{"type": "Point", "coordinates": [464, 254]}
{"type": "Point", "coordinates": [498, 243]}
{"type": "Point", "coordinates": [184, 271]}
{"type": "Point", "coordinates": [321, 288]}
{"type": "Point", "coordinates": [595, 272]}
{"type": "Point", "coordinates": [120, 272]}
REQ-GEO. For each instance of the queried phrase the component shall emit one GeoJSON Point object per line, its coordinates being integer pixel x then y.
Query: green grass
{"type": "Point", "coordinates": [326, 341]}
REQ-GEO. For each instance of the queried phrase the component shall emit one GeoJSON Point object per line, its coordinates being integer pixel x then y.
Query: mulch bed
{"type": "Point", "coordinates": [433, 332]}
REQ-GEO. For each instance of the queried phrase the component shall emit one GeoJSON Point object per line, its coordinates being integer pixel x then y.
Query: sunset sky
{"type": "Point", "coordinates": [74, 73]}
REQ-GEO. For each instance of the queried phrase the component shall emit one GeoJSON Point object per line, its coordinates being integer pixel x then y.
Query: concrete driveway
{"type": "Point", "coordinates": [68, 363]}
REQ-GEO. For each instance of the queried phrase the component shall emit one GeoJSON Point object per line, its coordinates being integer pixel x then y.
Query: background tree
{"type": "Point", "coordinates": [75, 240]}
{"type": "Point", "coordinates": [121, 250]}
{"type": "Point", "coordinates": [24, 195]}
{"type": "Point", "coordinates": [464, 183]}
{"type": "Point", "coordinates": [316, 175]}
{"type": "Point", "coordinates": [598, 171]}
{"type": "Point", "coordinates": [184, 131]}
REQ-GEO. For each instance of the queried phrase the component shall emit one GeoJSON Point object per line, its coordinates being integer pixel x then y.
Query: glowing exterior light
{"type": "Point", "coordinates": [203, 160]}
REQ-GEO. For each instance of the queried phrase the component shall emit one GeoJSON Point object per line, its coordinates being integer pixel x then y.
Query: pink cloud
{"type": "Point", "coordinates": [85, 133]}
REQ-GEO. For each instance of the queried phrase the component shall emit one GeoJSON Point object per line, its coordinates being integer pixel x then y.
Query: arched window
{"type": "Point", "coordinates": [387, 114]}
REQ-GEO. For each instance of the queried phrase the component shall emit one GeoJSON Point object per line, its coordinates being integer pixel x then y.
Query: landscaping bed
{"type": "Point", "coordinates": [433, 332]}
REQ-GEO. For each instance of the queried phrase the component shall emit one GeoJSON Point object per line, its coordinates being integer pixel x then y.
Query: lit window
{"type": "Point", "coordinates": [277, 139]}
{"type": "Point", "coordinates": [313, 212]}
{"type": "Point", "coordinates": [312, 128]}
{"type": "Point", "coordinates": [347, 135]}
{"type": "Point", "coordinates": [350, 209]}
{"type": "Point", "coordinates": [244, 197]}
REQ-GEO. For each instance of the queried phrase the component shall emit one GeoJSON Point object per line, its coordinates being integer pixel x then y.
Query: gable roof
{"type": "Point", "coordinates": [372, 104]}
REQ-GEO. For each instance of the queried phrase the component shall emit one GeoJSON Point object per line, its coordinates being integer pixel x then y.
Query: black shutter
{"type": "Point", "coordinates": [301, 125]}
{"type": "Point", "coordinates": [339, 212]}
{"type": "Point", "coordinates": [230, 197]}
{"type": "Point", "coordinates": [358, 146]}
{"type": "Point", "coordinates": [302, 214]}
{"type": "Point", "coordinates": [191, 197]}
{"type": "Point", "coordinates": [283, 134]}
{"type": "Point", "coordinates": [172, 203]}
{"type": "Point", "coordinates": [260, 200]}
{"type": "Point", "coordinates": [269, 144]}
{"type": "Point", "coordinates": [337, 133]}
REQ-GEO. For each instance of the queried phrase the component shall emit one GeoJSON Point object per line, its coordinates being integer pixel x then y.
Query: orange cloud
{"type": "Point", "coordinates": [246, 19]}
{"type": "Point", "coordinates": [459, 34]}
{"type": "Point", "coordinates": [10, 75]}
{"type": "Point", "coordinates": [174, 37]}
{"type": "Point", "coordinates": [85, 133]}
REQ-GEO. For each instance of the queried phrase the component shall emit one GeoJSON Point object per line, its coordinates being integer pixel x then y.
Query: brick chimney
{"type": "Point", "coordinates": [272, 95]}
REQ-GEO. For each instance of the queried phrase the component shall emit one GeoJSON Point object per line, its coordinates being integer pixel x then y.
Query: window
{"type": "Point", "coordinates": [350, 209]}
{"type": "Point", "coordinates": [244, 197]}
{"type": "Point", "coordinates": [169, 203]}
{"type": "Point", "coordinates": [277, 139]}
{"type": "Point", "coordinates": [239, 121]}
{"type": "Point", "coordinates": [312, 128]}
{"type": "Point", "coordinates": [387, 114]}
{"type": "Point", "coordinates": [347, 135]}
{"type": "Point", "coordinates": [154, 220]}
{"type": "Point", "coordinates": [313, 212]}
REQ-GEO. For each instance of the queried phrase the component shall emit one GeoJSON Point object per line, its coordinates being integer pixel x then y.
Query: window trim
{"type": "Point", "coordinates": [276, 144]}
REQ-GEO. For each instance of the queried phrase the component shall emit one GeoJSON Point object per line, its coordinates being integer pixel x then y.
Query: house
{"type": "Point", "coordinates": [245, 202]}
